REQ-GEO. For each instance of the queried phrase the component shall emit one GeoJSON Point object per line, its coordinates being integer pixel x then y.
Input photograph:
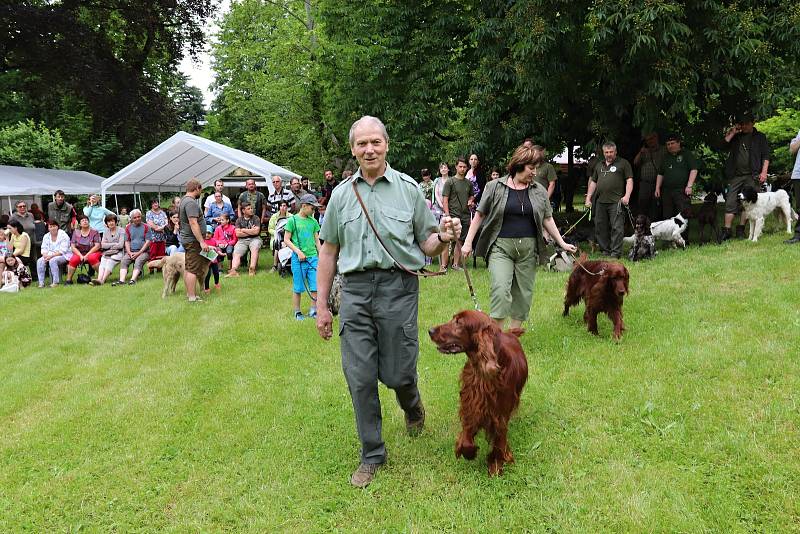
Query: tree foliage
{"type": "Point", "coordinates": [27, 144]}
{"type": "Point", "coordinates": [780, 130]}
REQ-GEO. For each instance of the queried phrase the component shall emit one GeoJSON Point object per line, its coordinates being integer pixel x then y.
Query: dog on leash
{"type": "Point", "coordinates": [707, 216]}
{"type": "Point", "coordinates": [671, 230]}
{"type": "Point", "coordinates": [172, 268]}
{"type": "Point", "coordinates": [644, 244]}
{"type": "Point", "coordinates": [602, 285]}
{"type": "Point", "coordinates": [758, 205]}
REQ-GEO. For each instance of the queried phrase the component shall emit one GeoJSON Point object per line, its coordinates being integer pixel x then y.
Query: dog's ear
{"type": "Point", "coordinates": [487, 357]}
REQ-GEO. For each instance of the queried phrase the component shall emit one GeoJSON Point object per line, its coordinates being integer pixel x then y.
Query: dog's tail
{"type": "Point", "coordinates": [157, 264]}
{"type": "Point", "coordinates": [516, 331]}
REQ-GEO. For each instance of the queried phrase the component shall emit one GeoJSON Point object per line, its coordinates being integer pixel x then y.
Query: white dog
{"type": "Point", "coordinates": [667, 230]}
{"type": "Point", "coordinates": [758, 205]}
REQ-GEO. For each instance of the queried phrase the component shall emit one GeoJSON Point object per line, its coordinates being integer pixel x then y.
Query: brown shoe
{"type": "Point", "coordinates": [364, 474]}
{"type": "Point", "coordinates": [415, 421]}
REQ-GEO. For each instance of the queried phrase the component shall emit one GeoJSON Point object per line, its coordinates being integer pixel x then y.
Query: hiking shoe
{"type": "Point", "coordinates": [364, 475]}
{"type": "Point", "coordinates": [725, 235]}
{"type": "Point", "coordinates": [312, 312]}
{"type": "Point", "coordinates": [415, 420]}
{"type": "Point", "coordinates": [792, 241]}
{"type": "Point", "coordinates": [299, 316]}
{"type": "Point", "coordinates": [131, 282]}
{"type": "Point", "coordinates": [196, 299]}
{"type": "Point", "coordinates": [94, 282]}
{"type": "Point", "coordinates": [457, 268]}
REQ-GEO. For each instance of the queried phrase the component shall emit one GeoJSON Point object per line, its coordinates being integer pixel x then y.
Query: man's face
{"type": "Point", "coordinates": [746, 127]}
{"type": "Point", "coordinates": [295, 185]}
{"type": "Point", "coordinates": [328, 176]}
{"type": "Point", "coordinates": [277, 183]}
{"type": "Point", "coordinates": [651, 141]}
{"type": "Point", "coordinates": [369, 147]}
{"type": "Point", "coordinates": [59, 200]}
{"type": "Point", "coordinates": [248, 211]}
{"type": "Point", "coordinates": [461, 168]}
{"type": "Point", "coordinates": [137, 219]}
{"type": "Point", "coordinates": [673, 146]}
{"type": "Point", "coordinates": [251, 185]}
{"type": "Point", "coordinates": [218, 185]}
{"type": "Point", "coordinates": [610, 153]}
{"type": "Point", "coordinates": [304, 183]}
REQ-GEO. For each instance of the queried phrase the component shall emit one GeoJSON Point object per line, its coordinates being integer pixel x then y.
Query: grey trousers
{"type": "Point", "coordinates": [379, 341]}
{"type": "Point", "coordinates": [609, 226]}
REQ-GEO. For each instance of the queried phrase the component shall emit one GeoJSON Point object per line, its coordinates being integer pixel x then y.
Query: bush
{"type": "Point", "coordinates": [27, 145]}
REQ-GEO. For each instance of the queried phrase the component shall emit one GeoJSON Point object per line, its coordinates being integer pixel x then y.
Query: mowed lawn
{"type": "Point", "coordinates": [121, 411]}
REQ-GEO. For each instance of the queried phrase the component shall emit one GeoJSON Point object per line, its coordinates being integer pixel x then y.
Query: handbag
{"type": "Point", "coordinates": [10, 283]}
{"type": "Point", "coordinates": [83, 276]}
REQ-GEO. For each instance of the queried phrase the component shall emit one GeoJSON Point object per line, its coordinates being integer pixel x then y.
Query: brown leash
{"type": "Point", "coordinates": [469, 285]}
{"type": "Point", "coordinates": [580, 264]}
{"type": "Point", "coordinates": [421, 273]}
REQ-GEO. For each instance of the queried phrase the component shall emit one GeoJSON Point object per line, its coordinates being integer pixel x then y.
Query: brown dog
{"type": "Point", "coordinates": [602, 285]}
{"type": "Point", "coordinates": [491, 381]}
{"type": "Point", "coordinates": [172, 268]}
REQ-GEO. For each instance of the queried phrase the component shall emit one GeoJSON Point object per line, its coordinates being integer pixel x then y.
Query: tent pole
{"type": "Point", "coordinates": [116, 202]}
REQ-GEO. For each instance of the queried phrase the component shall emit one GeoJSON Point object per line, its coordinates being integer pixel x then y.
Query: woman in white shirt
{"type": "Point", "coordinates": [55, 253]}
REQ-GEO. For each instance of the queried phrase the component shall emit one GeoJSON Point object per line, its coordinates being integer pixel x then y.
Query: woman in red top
{"type": "Point", "coordinates": [85, 246]}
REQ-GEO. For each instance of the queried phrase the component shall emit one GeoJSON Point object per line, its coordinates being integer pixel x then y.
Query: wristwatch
{"type": "Point", "coordinates": [439, 235]}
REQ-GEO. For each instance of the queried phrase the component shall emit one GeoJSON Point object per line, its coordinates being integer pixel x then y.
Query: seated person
{"type": "Point", "coordinates": [85, 245]}
{"type": "Point", "coordinates": [283, 213]}
{"type": "Point", "coordinates": [216, 208]}
{"type": "Point", "coordinates": [172, 234]}
{"type": "Point", "coordinates": [113, 248]}
{"type": "Point", "coordinates": [225, 236]}
{"type": "Point", "coordinates": [16, 271]}
{"type": "Point", "coordinates": [248, 228]}
{"type": "Point", "coordinates": [5, 249]}
{"type": "Point", "coordinates": [55, 253]}
{"type": "Point", "coordinates": [19, 242]}
{"type": "Point", "coordinates": [137, 247]}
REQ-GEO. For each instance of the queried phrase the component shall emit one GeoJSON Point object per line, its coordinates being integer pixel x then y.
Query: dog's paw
{"type": "Point", "coordinates": [467, 451]}
{"type": "Point", "coordinates": [495, 467]}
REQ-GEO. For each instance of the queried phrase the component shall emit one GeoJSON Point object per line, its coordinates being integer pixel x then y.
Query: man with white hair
{"type": "Point", "coordinates": [379, 299]}
{"type": "Point", "coordinates": [609, 189]}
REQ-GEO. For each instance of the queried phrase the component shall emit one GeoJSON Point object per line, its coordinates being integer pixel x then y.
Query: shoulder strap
{"type": "Point", "coordinates": [422, 273]}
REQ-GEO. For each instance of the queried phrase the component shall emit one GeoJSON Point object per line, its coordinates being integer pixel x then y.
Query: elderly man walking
{"type": "Point", "coordinates": [378, 322]}
{"type": "Point", "coordinates": [612, 180]}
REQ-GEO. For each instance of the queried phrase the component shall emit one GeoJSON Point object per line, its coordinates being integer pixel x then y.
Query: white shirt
{"type": "Point", "coordinates": [61, 244]}
{"type": "Point", "coordinates": [210, 199]}
{"type": "Point", "coordinates": [796, 170]}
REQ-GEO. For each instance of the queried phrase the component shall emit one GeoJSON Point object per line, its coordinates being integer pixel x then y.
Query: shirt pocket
{"type": "Point", "coordinates": [396, 223]}
{"type": "Point", "coordinates": [352, 231]}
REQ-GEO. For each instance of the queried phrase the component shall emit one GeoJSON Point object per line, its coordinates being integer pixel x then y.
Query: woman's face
{"type": "Point", "coordinates": [474, 161]}
{"type": "Point", "coordinates": [53, 229]}
{"type": "Point", "coordinates": [175, 219]}
{"type": "Point", "coordinates": [13, 229]}
{"type": "Point", "coordinates": [112, 224]}
{"type": "Point", "coordinates": [155, 206]}
{"type": "Point", "coordinates": [495, 175]}
{"type": "Point", "coordinates": [84, 223]}
{"type": "Point", "coordinates": [526, 175]}
{"type": "Point", "coordinates": [22, 208]}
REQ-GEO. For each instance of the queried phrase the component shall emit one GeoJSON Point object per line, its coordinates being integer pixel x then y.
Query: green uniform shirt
{"type": "Point", "coordinates": [676, 168]}
{"type": "Point", "coordinates": [457, 193]}
{"type": "Point", "coordinates": [397, 209]}
{"type": "Point", "coordinates": [303, 230]}
{"type": "Point", "coordinates": [611, 180]}
{"type": "Point", "coordinates": [545, 174]}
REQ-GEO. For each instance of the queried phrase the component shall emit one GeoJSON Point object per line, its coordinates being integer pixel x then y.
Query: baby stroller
{"type": "Point", "coordinates": [284, 264]}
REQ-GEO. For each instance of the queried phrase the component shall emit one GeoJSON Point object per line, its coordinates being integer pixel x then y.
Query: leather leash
{"type": "Point", "coordinates": [471, 289]}
{"type": "Point", "coordinates": [421, 273]}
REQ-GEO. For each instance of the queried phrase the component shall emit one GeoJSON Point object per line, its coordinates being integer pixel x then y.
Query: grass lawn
{"type": "Point", "coordinates": [121, 411]}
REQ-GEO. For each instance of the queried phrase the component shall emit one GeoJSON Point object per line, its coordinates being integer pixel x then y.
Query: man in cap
{"type": "Point", "coordinates": [747, 164]}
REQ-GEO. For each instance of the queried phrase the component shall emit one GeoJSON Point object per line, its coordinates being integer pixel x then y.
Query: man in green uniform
{"type": "Point", "coordinates": [456, 198]}
{"type": "Point", "coordinates": [378, 312]}
{"type": "Point", "coordinates": [747, 164]}
{"type": "Point", "coordinates": [676, 177]}
{"type": "Point", "coordinates": [545, 173]}
{"type": "Point", "coordinates": [612, 181]}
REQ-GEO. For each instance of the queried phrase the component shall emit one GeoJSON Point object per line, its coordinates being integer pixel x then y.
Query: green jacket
{"type": "Point", "coordinates": [493, 206]}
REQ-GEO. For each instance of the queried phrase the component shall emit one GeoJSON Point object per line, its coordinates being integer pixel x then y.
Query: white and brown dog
{"type": "Point", "coordinates": [172, 268]}
{"type": "Point", "coordinates": [758, 205]}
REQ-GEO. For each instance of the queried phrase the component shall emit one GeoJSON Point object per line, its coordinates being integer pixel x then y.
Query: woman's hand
{"type": "Point", "coordinates": [466, 250]}
{"type": "Point", "coordinates": [569, 248]}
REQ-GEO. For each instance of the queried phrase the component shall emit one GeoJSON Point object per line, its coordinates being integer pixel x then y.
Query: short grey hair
{"type": "Point", "coordinates": [609, 144]}
{"type": "Point", "coordinates": [368, 118]}
{"type": "Point", "coordinates": [135, 212]}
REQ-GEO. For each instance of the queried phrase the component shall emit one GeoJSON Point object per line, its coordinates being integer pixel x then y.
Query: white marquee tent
{"type": "Point", "coordinates": [171, 164]}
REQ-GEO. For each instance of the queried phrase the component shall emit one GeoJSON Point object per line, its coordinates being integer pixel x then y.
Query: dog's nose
{"type": "Point", "coordinates": [432, 331]}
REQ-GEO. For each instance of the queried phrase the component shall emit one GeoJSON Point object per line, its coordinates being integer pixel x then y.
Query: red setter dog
{"type": "Point", "coordinates": [491, 381]}
{"type": "Point", "coordinates": [603, 286]}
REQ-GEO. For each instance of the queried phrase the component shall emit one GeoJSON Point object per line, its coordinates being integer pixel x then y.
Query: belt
{"type": "Point", "coordinates": [375, 270]}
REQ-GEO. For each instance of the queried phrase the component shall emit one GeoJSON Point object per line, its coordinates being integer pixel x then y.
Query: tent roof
{"type": "Point", "coordinates": [183, 156]}
{"type": "Point", "coordinates": [31, 181]}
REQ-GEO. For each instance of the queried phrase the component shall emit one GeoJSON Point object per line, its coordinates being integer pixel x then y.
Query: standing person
{"type": "Point", "coordinates": [327, 187]}
{"type": "Point", "coordinates": [675, 179]}
{"type": "Point", "coordinates": [296, 191]}
{"type": "Point", "coordinates": [301, 234]}
{"type": "Point", "coordinates": [794, 149]}
{"type": "Point", "coordinates": [545, 173]}
{"type": "Point", "coordinates": [747, 164]}
{"type": "Point", "coordinates": [248, 230]}
{"type": "Point", "coordinates": [62, 212]}
{"type": "Point", "coordinates": [25, 218]}
{"type": "Point", "coordinates": [305, 183]}
{"type": "Point", "coordinates": [255, 199]}
{"type": "Point", "coordinates": [192, 237]}
{"type": "Point", "coordinates": [379, 339]}
{"type": "Point", "coordinates": [112, 246]}
{"type": "Point", "coordinates": [124, 218]}
{"type": "Point", "coordinates": [176, 204]}
{"type": "Point", "coordinates": [457, 196]}
{"type": "Point", "coordinates": [55, 253]}
{"type": "Point", "coordinates": [514, 211]}
{"type": "Point", "coordinates": [438, 209]}
{"type": "Point", "coordinates": [612, 180]}
{"type": "Point", "coordinates": [477, 177]}
{"type": "Point", "coordinates": [495, 174]}
{"type": "Point", "coordinates": [426, 186]}
{"type": "Point", "coordinates": [219, 186]}
{"type": "Point", "coordinates": [157, 220]}
{"type": "Point", "coordinates": [281, 194]}
{"type": "Point", "coordinates": [85, 244]}
{"type": "Point", "coordinates": [137, 248]}
{"type": "Point", "coordinates": [96, 213]}
{"type": "Point", "coordinates": [20, 242]}
{"type": "Point", "coordinates": [648, 161]}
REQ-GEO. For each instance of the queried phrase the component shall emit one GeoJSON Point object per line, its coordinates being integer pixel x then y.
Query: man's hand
{"type": "Point", "coordinates": [204, 246]}
{"type": "Point", "coordinates": [466, 250]}
{"type": "Point", "coordinates": [588, 202]}
{"type": "Point", "coordinates": [688, 190]}
{"type": "Point", "coordinates": [324, 322]}
{"type": "Point", "coordinates": [657, 193]}
{"type": "Point", "coordinates": [762, 177]}
{"type": "Point", "coordinates": [626, 199]}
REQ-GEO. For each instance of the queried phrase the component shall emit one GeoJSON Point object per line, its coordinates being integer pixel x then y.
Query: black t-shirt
{"type": "Point", "coordinates": [518, 218]}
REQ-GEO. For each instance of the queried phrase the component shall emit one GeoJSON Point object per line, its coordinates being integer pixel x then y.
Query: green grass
{"type": "Point", "coordinates": [123, 412]}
